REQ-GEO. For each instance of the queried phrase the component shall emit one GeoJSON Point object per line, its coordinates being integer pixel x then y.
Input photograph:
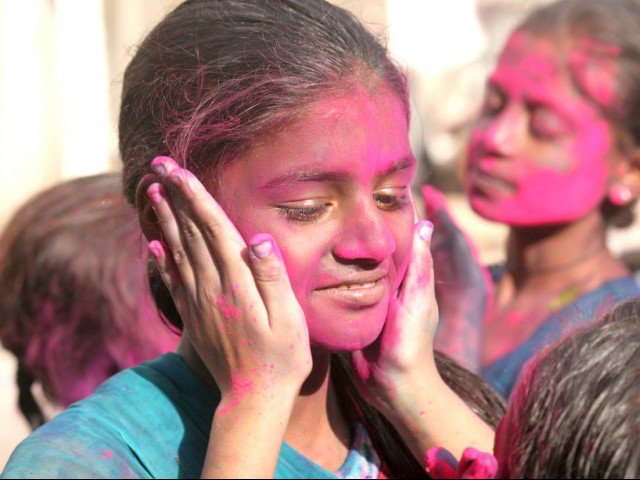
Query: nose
{"type": "Point", "coordinates": [501, 133]}
{"type": "Point", "coordinates": [366, 236]}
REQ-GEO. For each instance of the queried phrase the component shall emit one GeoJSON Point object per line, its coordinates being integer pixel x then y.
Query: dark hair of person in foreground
{"type": "Point", "coordinates": [574, 412]}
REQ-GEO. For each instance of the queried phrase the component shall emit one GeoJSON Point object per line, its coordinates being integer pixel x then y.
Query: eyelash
{"type": "Point", "coordinates": [298, 214]}
{"type": "Point", "coordinates": [311, 214]}
{"type": "Point", "coordinates": [398, 202]}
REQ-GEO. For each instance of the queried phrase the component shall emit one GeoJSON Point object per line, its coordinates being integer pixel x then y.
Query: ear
{"type": "Point", "coordinates": [146, 215]}
{"type": "Point", "coordinates": [624, 187]}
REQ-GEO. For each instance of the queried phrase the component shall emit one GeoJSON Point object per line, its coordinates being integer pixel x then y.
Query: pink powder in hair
{"type": "Point", "coordinates": [594, 66]}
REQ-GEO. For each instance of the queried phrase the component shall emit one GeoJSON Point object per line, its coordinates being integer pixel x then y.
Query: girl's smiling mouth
{"type": "Point", "coordinates": [363, 292]}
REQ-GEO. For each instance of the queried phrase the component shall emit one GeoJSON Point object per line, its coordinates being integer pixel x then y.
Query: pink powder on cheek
{"type": "Point", "coordinates": [558, 186]}
{"type": "Point", "coordinates": [544, 197]}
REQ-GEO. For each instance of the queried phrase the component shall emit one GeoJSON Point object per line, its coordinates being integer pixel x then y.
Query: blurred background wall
{"type": "Point", "coordinates": [61, 64]}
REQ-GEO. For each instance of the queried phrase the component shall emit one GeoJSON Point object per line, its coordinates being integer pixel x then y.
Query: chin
{"type": "Point", "coordinates": [339, 326]}
{"type": "Point", "coordinates": [354, 331]}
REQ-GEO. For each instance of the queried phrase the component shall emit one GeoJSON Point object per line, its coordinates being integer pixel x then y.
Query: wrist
{"type": "Point", "coordinates": [250, 398]}
{"type": "Point", "coordinates": [413, 392]}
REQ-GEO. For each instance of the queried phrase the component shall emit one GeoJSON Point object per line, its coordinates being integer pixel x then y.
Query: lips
{"type": "Point", "coordinates": [356, 292]}
{"type": "Point", "coordinates": [487, 180]}
{"type": "Point", "coordinates": [483, 174]}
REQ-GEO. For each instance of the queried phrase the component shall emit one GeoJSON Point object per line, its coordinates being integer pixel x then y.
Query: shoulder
{"type": "Point", "coordinates": [124, 429]}
{"type": "Point", "coordinates": [69, 449]}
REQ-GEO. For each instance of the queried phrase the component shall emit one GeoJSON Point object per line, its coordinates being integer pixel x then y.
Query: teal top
{"type": "Point", "coordinates": [152, 421]}
{"type": "Point", "coordinates": [502, 373]}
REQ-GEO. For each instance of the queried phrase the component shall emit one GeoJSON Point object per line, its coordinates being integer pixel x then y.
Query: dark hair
{"type": "Point", "coordinates": [74, 302]}
{"type": "Point", "coordinates": [216, 76]}
{"type": "Point", "coordinates": [472, 389]}
{"type": "Point", "coordinates": [575, 411]}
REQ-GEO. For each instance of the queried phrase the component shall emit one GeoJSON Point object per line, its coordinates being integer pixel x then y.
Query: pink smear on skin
{"type": "Point", "coordinates": [228, 310]}
{"type": "Point", "coordinates": [240, 386]}
{"type": "Point", "coordinates": [541, 168]}
{"type": "Point", "coordinates": [107, 455]}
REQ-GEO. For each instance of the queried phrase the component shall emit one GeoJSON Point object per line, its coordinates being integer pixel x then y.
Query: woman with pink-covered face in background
{"type": "Point", "coordinates": [555, 156]}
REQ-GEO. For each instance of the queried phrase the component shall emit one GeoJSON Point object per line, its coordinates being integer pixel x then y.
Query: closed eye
{"type": "Point", "coordinates": [392, 199]}
{"type": "Point", "coordinates": [302, 214]}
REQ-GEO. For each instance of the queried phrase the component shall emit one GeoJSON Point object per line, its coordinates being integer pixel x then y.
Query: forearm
{"type": "Point", "coordinates": [433, 415]}
{"type": "Point", "coordinates": [246, 438]}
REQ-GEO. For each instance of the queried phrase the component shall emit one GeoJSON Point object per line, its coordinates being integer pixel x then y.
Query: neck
{"type": "Point", "coordinates": [561, 253]}
{"type": "Point", "coordinates": [317, 428]}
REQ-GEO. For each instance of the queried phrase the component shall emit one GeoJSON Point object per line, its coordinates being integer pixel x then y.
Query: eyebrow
{"type": "Point", "coordinates": [304, 175]}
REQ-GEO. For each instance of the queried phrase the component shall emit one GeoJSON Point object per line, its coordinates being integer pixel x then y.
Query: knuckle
{"type": "Point", "coordinates": [267, 272]}
{"type": "Point", "coordinates": [208, 297]}
{"type": "Point", "coordinates": [179, 256]}
{"type": "Point", "coordinates": [212, 230]}
{"type": "Point", "coordinates": [190, 230]}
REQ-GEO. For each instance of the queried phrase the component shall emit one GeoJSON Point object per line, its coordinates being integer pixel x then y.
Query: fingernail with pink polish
{"type": "Point", "coordinates": [156, 249]}
{"type": "Point", "coordinates": [157, 165]}
{"type": "Point", "coordinates": [425, 230]}
{"type": "Point", "coordinates": [154, 192]}
{"type": "Point", "coordinates": [261, 249]}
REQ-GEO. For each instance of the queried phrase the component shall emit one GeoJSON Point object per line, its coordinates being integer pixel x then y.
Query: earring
{"type": "Point", "coordinates": [620, 194]}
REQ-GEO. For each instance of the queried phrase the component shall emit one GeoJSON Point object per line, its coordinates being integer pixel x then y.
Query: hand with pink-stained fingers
{"type": "Point", "coordinates": [236, 302]}
{"type": "Point", "coordinates": [397, 374]}
{"type": "Point", "coordinates": [464, 288]}
{"type": "Point", "coordinates": [239, 313]}
{"type": "Point", "coordinates": [403, 354]}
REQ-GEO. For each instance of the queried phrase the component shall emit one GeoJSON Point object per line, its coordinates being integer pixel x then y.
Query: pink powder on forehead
{"type": "Point", "coordinates": [594, 67]}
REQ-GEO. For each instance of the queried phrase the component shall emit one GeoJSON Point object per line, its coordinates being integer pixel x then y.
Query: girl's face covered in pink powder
{"type": "Point", "coordinates": [541, 153]}
{"type": "Point", "coordinates": [333, 189]}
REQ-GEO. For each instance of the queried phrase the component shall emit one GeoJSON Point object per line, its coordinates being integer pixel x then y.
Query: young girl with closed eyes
{"type": "Point", "coordinates": [265, 145]}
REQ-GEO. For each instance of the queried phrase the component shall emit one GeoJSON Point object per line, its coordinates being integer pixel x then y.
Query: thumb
{"type": "Point", "coordinates": [272, 281]}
